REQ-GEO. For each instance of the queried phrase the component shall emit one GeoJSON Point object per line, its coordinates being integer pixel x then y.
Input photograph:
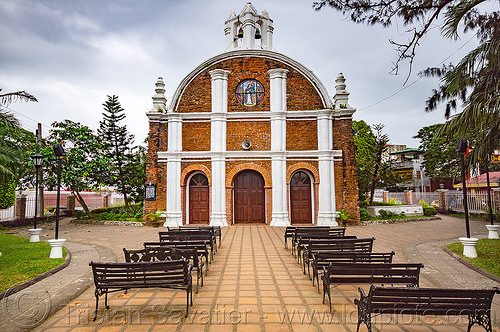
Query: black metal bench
{"type": "Point", "coordinates": [324, 232]}
{"type": "Point", "coordinates": [216, 229]}
{"type": "Point", "coordinates": [475, 303]}
{"type": "Point", "coordinates": [114, 277]}
{"type": "Point", "coordinates": [321, 259]}
{"type": "Point", "coordinates": [189, 235]}
{"type": "Point", "coordinates": [290, 230]}
{"type": "Point", "coordinates": [341, 245]}
{"type": "Point", "coordinates": [202, 248]}
{"type": "Point", "coordinates": [303, 242]}
{"type": "Point", "coordinates": [400, 274]}
{"type": "Point", "coordinates": [158, 254]}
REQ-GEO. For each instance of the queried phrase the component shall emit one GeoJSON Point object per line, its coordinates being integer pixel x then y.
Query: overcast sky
{"type": "Point", "coordinates": [72, 54]}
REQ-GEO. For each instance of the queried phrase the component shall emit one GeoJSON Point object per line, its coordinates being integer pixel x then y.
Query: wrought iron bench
{"type": "Point", "coordinates": [155, 254]}
{"type": "Point", "coordinates": [475, 303]}
{"type": "Point", "coordinates": [321, 259]}
{"type": "Point", "coordinates": [400, 274]}
{"type": "Point", "coordinates": [114, 277]}
{"type": "Point", "coordinates": [216, 229]}
{"type": "Point", "coordinates": [201, 247]}
{"type": "Point", "coordinates": [189, 235]}
{"type": "Point", "coordinates": [303, 232]}
{"type": "Point", "coordinates": [290, 231]}
{"type": "Point", "coordinates": [341, 245]}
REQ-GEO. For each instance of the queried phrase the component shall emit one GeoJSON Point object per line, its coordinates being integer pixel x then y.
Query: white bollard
{"type": "Point", "coordinates": [469, 246]}
{"type": "Point", "coordinates": [56, 250]}
{"type": "Point", "coordinates": [35, 234]}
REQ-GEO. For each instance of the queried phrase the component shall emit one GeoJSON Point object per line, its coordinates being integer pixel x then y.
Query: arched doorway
{"type": "Point", "coordinates": [199, 199]}
{"type": "Point", "coordinates": [249, 198]}
{"type": "Point", "coordinates": [300, 198]}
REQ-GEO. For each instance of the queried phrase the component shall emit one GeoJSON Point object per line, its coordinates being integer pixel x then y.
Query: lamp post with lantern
{"type": "Point", "coordinates": [37, 161]}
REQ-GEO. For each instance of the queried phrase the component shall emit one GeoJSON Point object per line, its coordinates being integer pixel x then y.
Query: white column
{"type": "Point", "coordinates": [174, 213]}
{"type": "Point", "coordinates": [218, 146]}
{"type": "Point", "coordinates": [278, 145]}
{"type": "Point", "coordinates": [326, 213]}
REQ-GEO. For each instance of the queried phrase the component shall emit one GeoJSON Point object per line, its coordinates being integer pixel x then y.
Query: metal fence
{"type": "Point", "coordinates": [427, 197]}
{"type": "Point", "coordinates": [398, 197]}
{"type": "Point", "coordinates": [93, 201]}
{"type": "Point", "coordinates": [476, 202]}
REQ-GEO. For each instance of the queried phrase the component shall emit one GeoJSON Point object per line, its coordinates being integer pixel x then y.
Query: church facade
{"type": "Point", "coordinates": [251, 136]}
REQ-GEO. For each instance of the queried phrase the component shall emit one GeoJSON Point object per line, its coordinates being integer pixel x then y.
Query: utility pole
{"type": "Point", "coordinates": [41, 201]}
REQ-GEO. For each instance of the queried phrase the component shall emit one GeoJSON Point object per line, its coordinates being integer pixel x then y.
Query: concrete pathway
{"type": "Point", "coordinates": [254, 284]}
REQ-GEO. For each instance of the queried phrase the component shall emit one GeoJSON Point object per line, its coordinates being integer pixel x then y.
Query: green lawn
{"type": "Point", "coordinates": [488, 255]}
{"type": "Point", "coordinates": [22, 261]}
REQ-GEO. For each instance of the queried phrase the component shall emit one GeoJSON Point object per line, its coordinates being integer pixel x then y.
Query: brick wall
{"type": "Point", "coordinates": [196, 136]}
{"type": "Point", "coordinates": [301, 135]}
{"type": "Point", "coordinates": [259, 132]}
{"type": "Point", "coordinates": [156, 172]}
{"type": "Point", "coordinates": [346, 180]}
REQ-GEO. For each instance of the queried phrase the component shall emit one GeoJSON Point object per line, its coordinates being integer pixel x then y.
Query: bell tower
{"type": "Point", "coordinates": [249, 30]}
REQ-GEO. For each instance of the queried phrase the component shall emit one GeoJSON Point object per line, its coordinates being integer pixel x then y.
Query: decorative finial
{"type": "Point", "coordinates": [159, 101]}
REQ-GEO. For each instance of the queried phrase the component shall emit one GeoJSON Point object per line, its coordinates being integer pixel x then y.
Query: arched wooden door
{"type": "Point", "coordinates": [300, 198]}
{"type": "Point", "coordinates": [249, 198]}
{"type": "Point", "coordinates": [198, 199]}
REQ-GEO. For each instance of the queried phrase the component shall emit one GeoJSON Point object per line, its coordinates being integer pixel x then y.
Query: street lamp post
{"type": "Point", "coordinates": [35, 231]}
{"type": "Point", "coordinates": [56, 244]}
{"type": "Point", "coordinates": [468, 242]}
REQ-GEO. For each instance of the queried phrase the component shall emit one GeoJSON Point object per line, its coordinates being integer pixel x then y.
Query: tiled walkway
{"type": "Point", "coordinates": [254, 284]}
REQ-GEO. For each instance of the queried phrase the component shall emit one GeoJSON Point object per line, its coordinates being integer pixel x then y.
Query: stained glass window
{"type": "Point", "coordinates": [249, 92]}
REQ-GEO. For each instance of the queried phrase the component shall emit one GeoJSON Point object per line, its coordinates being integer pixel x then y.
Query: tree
{"type": "Point", "coordinates": [474, 81]}
{"type": "Point", "coordinates": [372, 171]}
{"type": "Point", "coordinates": [11, 134]}
{"type": "Point", "coordinates": [82, 163]}
{"type": "Point", "coordinates": [364, 140]}
{"type": "Point", "coordinates": [117, 149]}
{"type": "Point", "coordinates": [440, 157]}
{"type": "Point", "coordinates": [379, 148]}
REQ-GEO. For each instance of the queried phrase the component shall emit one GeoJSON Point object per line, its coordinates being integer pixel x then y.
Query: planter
{"type": "Point", "coordinates": [56, 250]}
{"type": "Point", "coordinates": [469, 246]}
{"type": "Point", "coordinates": [493, 231]}
{"type": "Point", "coordinates": [35, 234]}
{"type": "Point", "coordinates": [409, 210]}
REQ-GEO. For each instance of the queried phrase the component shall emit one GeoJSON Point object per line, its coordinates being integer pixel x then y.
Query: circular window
{"type": "Point", "coordinates": [249, 92]}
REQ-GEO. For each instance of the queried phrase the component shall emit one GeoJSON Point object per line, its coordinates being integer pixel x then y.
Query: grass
{"type": "Point", "coordinates": [488, 255]}
{"type": "Point", "coordinates": [22, 261]}
{"type": "Point", "coordinates": [399, 217]}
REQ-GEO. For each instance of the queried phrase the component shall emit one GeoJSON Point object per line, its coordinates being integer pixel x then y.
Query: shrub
{"type": "Point", "coordinates": [424, 204]}
{"type": "Point", "coordinates": [7, 193]}
{"type": "Point", "coordinates": [390, 215]}
{"type": "Point", "coordinates": [364, 214]}
{"type": "Point", "coordinates": [429, 211]}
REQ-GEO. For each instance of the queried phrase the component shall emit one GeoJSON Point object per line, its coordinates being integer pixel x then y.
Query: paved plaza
{"type": "Point", "coordinates": [254, 283]}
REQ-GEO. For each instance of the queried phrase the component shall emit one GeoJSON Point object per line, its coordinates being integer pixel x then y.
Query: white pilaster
{"type": "Point", "coordinates": [326, 210]}
{"type": "Point", "coordinates": [279, 213]}
{"type": "Point", "coordinates": [174, 212]}
{"type": "Point", "coordinates": [218, 145]}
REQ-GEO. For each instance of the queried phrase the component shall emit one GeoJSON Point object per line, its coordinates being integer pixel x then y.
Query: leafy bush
{"type": "Point", "coordinates": [424, 204]}
{"type": "Point", "coordinates": [7, 193]}
{"type": "Point", "coordinates": [429, 211]}
{"type": "Point", "coordinates": [391, 215]}
{"type": "Point", "coordinates": [364, 214]}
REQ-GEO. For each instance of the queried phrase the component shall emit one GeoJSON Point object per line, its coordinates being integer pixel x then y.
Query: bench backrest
{"type": "Point", "coordinates": [192, 234]}
{"type": "Point", "coordinates": [374, 273]}
{"type": "Point", "coordinates": [140, 274]}
{"type": "Point", "coordinates": [155, 254]}
{"type": "Point", "coordinates": [352, 245]}
{"type": "Point", "coordinates": [324, 258]}
{"type": "Point", "coordinates": [430, 301]}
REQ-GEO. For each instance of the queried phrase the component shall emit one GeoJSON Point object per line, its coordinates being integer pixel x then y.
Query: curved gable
{"type": "Point", "coordinates": [304, 90]}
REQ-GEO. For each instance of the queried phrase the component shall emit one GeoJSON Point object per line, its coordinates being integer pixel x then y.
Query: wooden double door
{"type": "Point", "coordinates": [249, 198]}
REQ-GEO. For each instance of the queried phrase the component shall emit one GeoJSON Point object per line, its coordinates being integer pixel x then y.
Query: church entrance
{"type": "Point", "coordinates": [249, 198]}
{"type": "Point", "coordinates": [198, 199]}
{"type": "Point", "coordinates": [300, 198]}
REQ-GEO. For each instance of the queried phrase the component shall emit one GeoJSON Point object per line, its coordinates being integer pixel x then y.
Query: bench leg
{"type": "Point", "coordinates": [187, 302]}
{"type": "Point", "coordinates": [482, 319]}
{"type": "Point", "coordinates": [97, 293]}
